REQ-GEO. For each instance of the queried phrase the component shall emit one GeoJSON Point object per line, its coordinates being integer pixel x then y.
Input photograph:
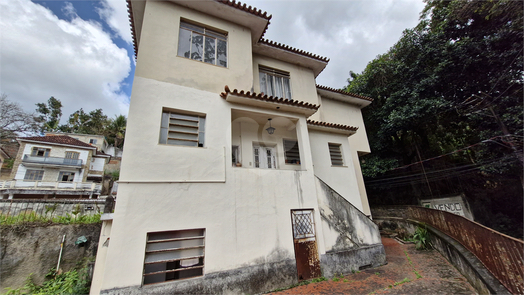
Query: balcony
{"type": "Point", "coordinates": [57, 188]}
{"type": "Point", "coordinates": [51, 161]}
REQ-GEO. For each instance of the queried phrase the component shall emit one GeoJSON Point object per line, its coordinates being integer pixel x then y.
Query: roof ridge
{"type": "Point", "coordinates": [344, 92]}
{"type": "Point", "coordinates": [292, 49]}
{"type": "Point", "coordinates": [265, 97]}
{"type": "Point", "coordinates": [58, 139]}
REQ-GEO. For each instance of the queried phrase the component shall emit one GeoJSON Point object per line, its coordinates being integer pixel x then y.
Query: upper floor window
{"type": "Point", "coordinates": [40, 152]}
{"type": "Point", "coordinates": [336, 154]}
{"type": "Point", "coordinates": [72, 155]}
{"type": "Point", "coordinates": [34, 174]}
{"type": "Point", "coordinates": [202, 44]}
{"type": "Point", "coordinates": [182, 129]}
{"type": "Point", "coordinates": [274, 82]}
{"type": "Point", "coordinates": [92, 140]}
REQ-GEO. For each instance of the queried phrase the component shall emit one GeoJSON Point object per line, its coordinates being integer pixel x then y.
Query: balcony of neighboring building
{"type": "Point", "coordinates": [42, 189]}
{"type": "Point", "coordinates": [37, 161]}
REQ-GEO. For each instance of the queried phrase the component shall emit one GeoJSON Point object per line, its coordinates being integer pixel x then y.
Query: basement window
{"type": "Point", "coordinates": [291, 152]}
{"type": "Point", "coordinates": [336, 154]}
{"type": "Point", "coordinates": [174, 255]}
{"type": "Point", "coordinates": [182, 129]}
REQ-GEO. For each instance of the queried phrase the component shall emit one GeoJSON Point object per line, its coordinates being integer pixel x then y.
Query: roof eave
{"type": "Point", "coordinates": [55, 143]}
{"type": "Point", "coordinates": [317, 65]}
{"type": "Point", "coordinates": [350, 98]}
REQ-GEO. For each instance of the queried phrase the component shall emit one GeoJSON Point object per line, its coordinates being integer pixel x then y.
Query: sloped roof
{"type": "Point", "coordinates": [343, 92]}
{"type": "Point", "coordinates": [58, 139]}
{"type": "Point", "coordinates": [261, 97]}
{"type": "Point", "coordinates": [294, 50]}
{"type": "Point", "coordinates": [332, 125]}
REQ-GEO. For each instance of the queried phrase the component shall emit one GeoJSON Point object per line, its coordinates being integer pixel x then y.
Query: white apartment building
{"type": "Point", "coordinates": [239, 173]}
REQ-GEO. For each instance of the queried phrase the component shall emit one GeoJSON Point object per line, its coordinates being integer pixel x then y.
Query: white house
{"type": "Point", "coordinates": [239, 173]}
{"type": "Point", "coordinates": [54, 166]}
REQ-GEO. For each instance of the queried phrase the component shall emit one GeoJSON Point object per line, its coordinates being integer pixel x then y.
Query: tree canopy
{"type": "Point", "coordinates": [452, 86]}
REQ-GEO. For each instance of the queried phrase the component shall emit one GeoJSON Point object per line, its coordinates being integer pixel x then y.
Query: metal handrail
{"type": "Point", "coordinates": [52, 160]}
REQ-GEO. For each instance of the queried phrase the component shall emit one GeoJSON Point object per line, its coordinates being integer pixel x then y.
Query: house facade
{"type": "Point", "coordinates": [55, 166]}
{"type": "Point", "coordinates": [239, 173]}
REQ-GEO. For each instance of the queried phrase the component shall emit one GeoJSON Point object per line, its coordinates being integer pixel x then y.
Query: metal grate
{"type": "Point", "coordinates": [303, 225]}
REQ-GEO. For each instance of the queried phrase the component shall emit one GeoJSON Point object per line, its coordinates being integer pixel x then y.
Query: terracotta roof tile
{"type": "Point", "coordinates": [99, 153]}
{"type": "Point", "coordinates": [263, 97]}
{"type": "Point", "coordinates": [332, 125]}
{"type": "Point", "coordinates": [132, 21]}
{"type": "Point", "coordinates": [294, 50]}
{"type": "Point", "coordinates": [58, 139]}
{"type": "Point", "coordinates": [343, 92]}
{"type": "Point", "coordinates": [250, 9]}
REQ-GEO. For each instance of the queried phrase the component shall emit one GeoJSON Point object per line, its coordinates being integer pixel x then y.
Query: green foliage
{"type": "Point", "coordinates": [454, 80]}
{"type": "Point", "coordinates": [50, 114]}
{"type": "Point", "coordinates": [32, 217]}
{"type": "Point", "coordinates": [70, 282]}
{"type": "Point", "coordinates": [8, 163]}
{"type": "Point", "coordinates": [14, 121]}
{"type": "Point", "coordinates": [421, 239]}
{"type": "Point", "coordinates": [115, 175]}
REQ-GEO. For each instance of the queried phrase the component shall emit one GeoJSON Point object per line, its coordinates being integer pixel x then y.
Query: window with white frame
{"type": "Point", "coordinates": [174, 255]}
{"type": "Point", "coordinates": [40, 152]}
{"type": "Point", "coordinates": [274, 82]}
{"type": "Point", "coordinates": [202, 44]}
{"type": "Point", "coordinates": [291, 152]}
{"type": "Point", "coordinates": [92, 140]}
{"type": "Point", "coordinates": [264, 157]}
{"type": "Point", "coordinates": [335, 153]}
{"type": "Point", "coordinates": [182, 129]}
{"type": "Point", "coordinates": [72, 155]}
{"type": "Point", "coordinates": [66, 176]}
{"type": "Point", "coordinates": [33, 175]}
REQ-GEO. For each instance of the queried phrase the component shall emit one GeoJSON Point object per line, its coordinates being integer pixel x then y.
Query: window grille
{"type": "Point", "coordinates": [336, 154]}
{"type": "Point", "coordinates": [174, 255]}
{"type": "Point", "coordinates": [274, 82]}
{"type": "Point", "coordinates": [291, 152]}
{"type": "Point", "coordinates": [202, 44]}
{"type": "Point", "coordinates": [303, 224]}
{"type": "Point", "coordinates": [181, 129]}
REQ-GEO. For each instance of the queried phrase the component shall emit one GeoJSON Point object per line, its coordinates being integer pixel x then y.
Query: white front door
{"type": "Point", "coordinates": [264, 157]}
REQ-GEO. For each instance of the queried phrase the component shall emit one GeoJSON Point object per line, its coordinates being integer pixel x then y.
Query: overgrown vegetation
{"type": "Point", "coordinates": [421, 239]}
{"type": "Point", "coordinates": [33, 217]}
{"type": "Point", "coordinates": [76, 281]}
{"type": "Point", "coordinates": [447, 116]}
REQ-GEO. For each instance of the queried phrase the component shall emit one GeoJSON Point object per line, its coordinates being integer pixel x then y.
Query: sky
{"type": "Point", "coordinates": [81, 52]}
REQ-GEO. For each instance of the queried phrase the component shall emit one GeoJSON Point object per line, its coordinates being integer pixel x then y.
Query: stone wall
{"type": "Point", "coordinates": [29, 249]}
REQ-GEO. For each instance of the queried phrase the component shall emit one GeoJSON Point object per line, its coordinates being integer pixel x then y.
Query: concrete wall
{"type": "Point", "coordinates": [34, 250]}
{"type": "Point", "coordinates": [157, 55]}
{"type": "Point", "coordinates": [341, 178]}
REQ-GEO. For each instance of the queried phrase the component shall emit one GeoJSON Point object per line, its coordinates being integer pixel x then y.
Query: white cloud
{"type": "Point", "coordinates": [351, 32]}
{"type": "Point", "coordinates": [114, 12]}
{"type": "Point", "coordinates": [75, 61]}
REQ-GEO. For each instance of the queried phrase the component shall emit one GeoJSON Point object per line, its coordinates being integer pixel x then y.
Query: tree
{"type": "Point", "coordinates": [116, 131]}
{"type": "Point", "coordinates": [14, 121]}
{"type": "Point", "coordinates": [453, 81]}
{"type": "Point", "coordinates": [94, 122]}
{"type": "Point", "coordinates": [50, 114]}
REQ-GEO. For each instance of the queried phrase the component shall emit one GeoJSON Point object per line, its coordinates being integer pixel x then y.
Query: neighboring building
{"type": "Point", "coordinates": [55, 166]}
{"type": "Point", "coordinates": [239, 173]}
{"type": "Point", "coordinates": [99, 141]}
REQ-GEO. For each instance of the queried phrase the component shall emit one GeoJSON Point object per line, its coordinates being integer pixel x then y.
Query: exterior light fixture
{"type": "Point", "coordinates": [270, 130]}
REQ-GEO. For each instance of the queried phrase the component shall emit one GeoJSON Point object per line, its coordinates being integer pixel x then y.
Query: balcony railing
{"type": "Point", "coordinates": [52, 161]}
{"type": "Point", "coordinates": [50, 185]}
